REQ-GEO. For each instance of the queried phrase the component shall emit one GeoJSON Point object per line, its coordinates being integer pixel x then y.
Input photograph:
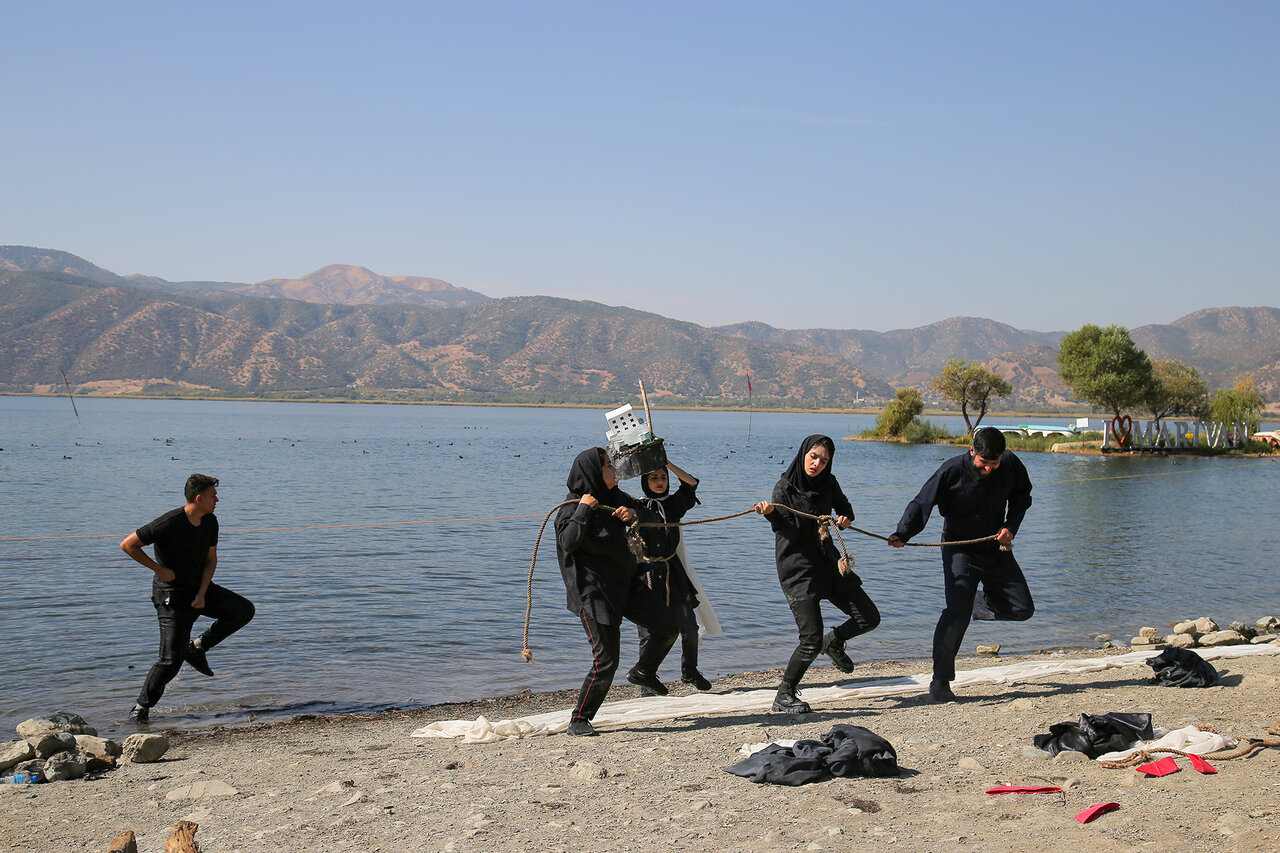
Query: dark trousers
{"type": "Point", "coordinates": [688, 624]}
{"type": "Point", "coordinates": [606, 643]}
{"type": "Point", "coordinates": [1005, 597]}
{"type": "Point", "coordinates": [852, 600]}
{"type": "Point", "coordinates": [230, 612]}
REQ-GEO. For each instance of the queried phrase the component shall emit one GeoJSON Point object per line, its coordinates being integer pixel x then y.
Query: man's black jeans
{"type": "Point", "coordinates": [229, 610]}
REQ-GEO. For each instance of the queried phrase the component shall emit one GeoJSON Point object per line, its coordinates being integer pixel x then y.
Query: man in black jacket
{"type": "Point", "coordinates": [982, 492]}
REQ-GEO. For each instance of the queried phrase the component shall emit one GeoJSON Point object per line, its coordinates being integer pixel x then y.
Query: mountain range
{"type": "Point", "coordinates": [347, 332]}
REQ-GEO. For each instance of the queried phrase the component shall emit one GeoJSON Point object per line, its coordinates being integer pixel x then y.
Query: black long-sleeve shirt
{"type": "Point", "coordinates": [971, 505]}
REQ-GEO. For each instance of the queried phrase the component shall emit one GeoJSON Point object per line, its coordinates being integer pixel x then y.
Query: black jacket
{"type": "Point", "coordinates": [597, 565]}
{"type": "Point", "coordinates": [807, 567]}
{"type": "Point", "coordinates": [971, 505]}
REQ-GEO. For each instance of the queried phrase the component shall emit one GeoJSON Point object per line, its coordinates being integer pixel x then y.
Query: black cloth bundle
{"type": "Point", "coordinates": [1182, 668]}
{"type": "Point", "coordinates": [843, 751]}
{"type": "Point", "coordinates": [1096, 734]}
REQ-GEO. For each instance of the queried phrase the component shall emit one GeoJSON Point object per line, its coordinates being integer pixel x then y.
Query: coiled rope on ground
{"type": "Point", "coordinates": [1247, 747]}
{"type": "Point", "coordinates": [825, 525]}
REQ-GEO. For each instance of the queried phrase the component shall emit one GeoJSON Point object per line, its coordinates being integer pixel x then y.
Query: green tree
{"type": "Point", "coordinates": [899, 412]}
{"type": "Point", "coordinates": [1176, 389]}
{"type": "Point", "coordinates": [1239, 405]}
{"type": "Point", "coordinates": [970, 384]}
{"type": "Point", "coordinates": [1105, 367]}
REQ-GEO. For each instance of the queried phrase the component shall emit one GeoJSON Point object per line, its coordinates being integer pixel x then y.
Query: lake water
{"type": "Point", "coordinates": [387, 549]}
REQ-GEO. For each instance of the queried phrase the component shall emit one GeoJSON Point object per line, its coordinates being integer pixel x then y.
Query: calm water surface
{"type": "Point", "coordinates": [387, 549]}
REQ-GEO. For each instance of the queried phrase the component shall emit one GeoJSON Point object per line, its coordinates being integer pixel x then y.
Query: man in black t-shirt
{"type": "Point", "coordinates": [186, 547]}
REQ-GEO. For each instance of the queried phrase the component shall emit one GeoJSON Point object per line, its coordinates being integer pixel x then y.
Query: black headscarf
{"type": "Point", "coordinates": [817, 490]}
{"type": "Point", "coordinates": [587, 478]}
{"type": "Point", "coordinates": [644, 484]}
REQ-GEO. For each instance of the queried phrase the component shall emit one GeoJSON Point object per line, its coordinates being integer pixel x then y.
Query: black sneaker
{"type": "Point", "coordinates": [834, 649]}
{"type": "Point", "coordinates": [579, 727]}
{"type": "Point", "coordinates": [698, 680]}
{"type": "Point", "coordinates": [940, 691]}
{"type": "Point", "coordinates": [651, 682]}
{"type": "Point", "coordinates": [196, 658]}
{"type": "Point", "coordinates": [140, 714]}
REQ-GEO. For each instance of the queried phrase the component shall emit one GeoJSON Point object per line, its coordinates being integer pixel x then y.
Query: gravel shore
{"type": "Point", "coordinates": [362, 783]}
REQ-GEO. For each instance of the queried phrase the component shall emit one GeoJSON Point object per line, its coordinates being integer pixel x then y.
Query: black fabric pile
{"type": "Point", "coordinates": [843, 751]}
{"type": "Point", "coordinates": [1182, 668]}
{"type": "Point", "coordinates": [1096, 734]}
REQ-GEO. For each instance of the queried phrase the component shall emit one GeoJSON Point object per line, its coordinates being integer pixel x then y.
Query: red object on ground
{"type": "Point", "coordinates": [1163, 767]}
{"type": "Point", "coordinates": [1095, 810]}
{"type": "Point", "coordinates": [1200, 764]}
{"type": "Point", "coordinates": [1023, 789]}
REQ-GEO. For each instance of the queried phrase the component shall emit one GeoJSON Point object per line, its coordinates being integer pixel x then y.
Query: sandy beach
{"type": "Point", "coordinates": [362, 783]}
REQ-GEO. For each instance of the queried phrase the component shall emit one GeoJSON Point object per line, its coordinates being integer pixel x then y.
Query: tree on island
{"type": "Point", "coordinates": [970, 384]}
{"type": "Point", "coordinates": [1105, 367]}
{"type": "Point", "coordinates": [1176, 389]}
{"type": "Point", "coordinates": [1241, 404]}
{"type": "Point", "coordinates": [899, 412]}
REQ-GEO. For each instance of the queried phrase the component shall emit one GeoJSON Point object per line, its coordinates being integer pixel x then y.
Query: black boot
{"type": "Point", "coordinates": [833, 647]}
{"type": "Point", "coordinates": [649, 682]}
{"type": "Point", "coordinates": [787, 702]}
{"type": "Point", "coordinates": [940, 691]}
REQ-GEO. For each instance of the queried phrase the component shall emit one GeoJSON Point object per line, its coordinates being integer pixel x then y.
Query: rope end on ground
{"type": "Point", "coordinates": [527, 654]}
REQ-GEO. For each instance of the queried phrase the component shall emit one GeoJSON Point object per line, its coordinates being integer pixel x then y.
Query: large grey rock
{"type": "Point", "coordinates": [64, 766]}
{"type": "Point", "coordinates": [52, 743]}
{"type": "Point", "coordinates": [59, 721]}
{"type": "Point", "coordinates": [1222, 638]}
{"type": "Point", "coordinates": [144, 748]}
{"type": "Point", "coordinates": [12, 753]}
{"type": "Point", "coordinates": [94, 745]}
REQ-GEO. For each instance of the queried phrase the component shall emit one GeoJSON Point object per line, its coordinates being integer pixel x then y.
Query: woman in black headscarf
{"type": "Point", "coordinates": [808, 566]}
{"type": "Point", "coordinates": [671, 577]}
{"type": "Point", "coordinates": [602, 584]}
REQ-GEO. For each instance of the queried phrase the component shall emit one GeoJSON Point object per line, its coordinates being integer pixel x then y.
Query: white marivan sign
{"type": "Point", "coordinates": [1128, 434]}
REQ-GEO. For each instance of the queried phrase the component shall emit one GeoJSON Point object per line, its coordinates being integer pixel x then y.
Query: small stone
{"type": "Point", "coordinates": [1268, 624]}
{"type": "Point", "coordinates": [59, 721]}
{"type": "Point", "coordinates": [588, 770]}
{"type": "Point", "coordinates": [1221, 638]}
{"type": "Point", "coordinates": [202, 790]}
{"type": "Point", "coordinates": [94, 745]}
{"type": "Point", "coordinates": [357, 797]}
{"type": "Point", "coordinates": [144, 748]}
{"type": "Point", "coordinates": [1186, 627]}
{"type": "Point", "coordinates": [1149, 633]}
{"type": "Point", "coordinates": [125, 842]}
{"type": "Point", "coordinates": [1246, 631]}
{"type": "Point", "coordinates": [1068, 756]}
{"type": "Point", "coordinates": [1181, 641]}
{"type": "Point", "coordinates": [970, 764]}
{"type": "Point", "coordinates": [1265, 638]}
{"type": "Point", "coordinates": [1141, 641]}
{"type": "Point", "coordinates": [99, 763]}
{"type": "Point", "coordinates": [336, 787]}
{"type": "Point", "coordinates": [1205, 625]}
{"type": "Point", "coordinates": [1033, 752]}
{"type": "Point", "coordinates": [64, 766]}
{"type": "Point", "coordinates": [12, 753]}
{"type": "Point", "coordinates": [51, 743]}
{"type": "Point", "coordinates": [990, 651]}
{"type": "Point", "coordinates": [1102, 638]}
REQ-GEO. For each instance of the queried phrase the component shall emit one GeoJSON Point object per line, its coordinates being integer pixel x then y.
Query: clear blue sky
{"type": "Point", "coordinates": [870, 165]}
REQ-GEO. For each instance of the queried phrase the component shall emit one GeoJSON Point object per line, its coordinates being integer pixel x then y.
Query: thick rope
{"type": "Point", "coordinates": [1247, 747]}
{"type": "Point", "coordinates": [636, 544]}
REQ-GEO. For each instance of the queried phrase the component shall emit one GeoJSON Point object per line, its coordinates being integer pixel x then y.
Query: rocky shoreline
{"type": "Point", "coordinates": [362, 783]}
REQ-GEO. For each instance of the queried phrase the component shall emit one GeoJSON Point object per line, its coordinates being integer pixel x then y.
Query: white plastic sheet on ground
{"type": "Point", "coordinates": [1186, 739]}
{"type": "Point", "coordinates": [659, 708]}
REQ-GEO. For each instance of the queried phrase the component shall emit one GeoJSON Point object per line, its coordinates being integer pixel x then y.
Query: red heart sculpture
{"type": "Point", "coordinates": [1121, 428]}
